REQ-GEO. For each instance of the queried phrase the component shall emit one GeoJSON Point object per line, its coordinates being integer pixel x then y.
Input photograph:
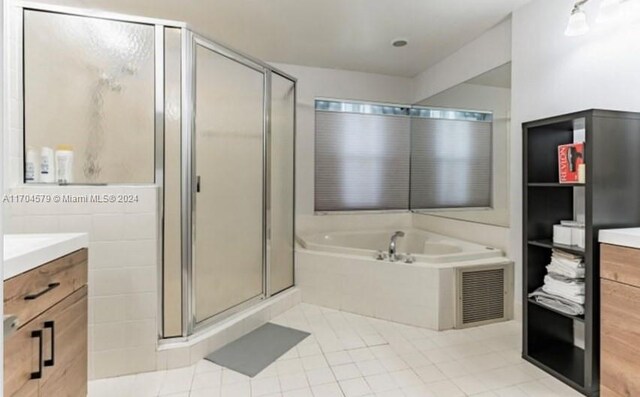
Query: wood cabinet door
{"type": "Point", "coordinates": [21, 356]}
{"type": "Point", "coordinates": [65, 347]}
{"type": "Point", "coordinates": [620, 339]}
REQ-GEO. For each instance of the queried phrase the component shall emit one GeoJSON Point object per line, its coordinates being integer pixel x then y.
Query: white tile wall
{"type": "Point", "coordinates": [123, 269]}
{"type": "Point", "coordinates": [12, 143]}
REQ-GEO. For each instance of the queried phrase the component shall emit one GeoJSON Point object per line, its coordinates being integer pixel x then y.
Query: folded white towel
{"type": "Point", "coordinates": [572, 263]}
{"type": "Point", "coordinates": [557, 302]}
{"type": "Point", "coordinates": [564, 282]}
{"type": "Point", "coordinates": [564, 294]}
{"type": "Point", "coordinates": [559, 268]}
{"type": "Point", "coordinates": [564, 254]}
{"type": "Point", "coordinates": [571, 289]}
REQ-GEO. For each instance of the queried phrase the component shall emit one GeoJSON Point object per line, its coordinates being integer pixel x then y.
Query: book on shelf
{"type": "Point", "coordinates": [570, 158]}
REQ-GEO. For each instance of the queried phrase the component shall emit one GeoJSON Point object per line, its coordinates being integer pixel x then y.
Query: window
{"type": "Point", "coordinates": [394, 157]}
{"type": "Point", "coordinates": [362, 157]}
{"type": "Point", "coordinates": [450, 163]}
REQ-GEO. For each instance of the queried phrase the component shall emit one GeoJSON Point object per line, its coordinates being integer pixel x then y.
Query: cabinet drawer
{"type": "Point", "coordinates": [620, 339]}
{"type": "Point", "coordinates": [620, 264]}
{"type": "Point", "coordinates": [31, 293]}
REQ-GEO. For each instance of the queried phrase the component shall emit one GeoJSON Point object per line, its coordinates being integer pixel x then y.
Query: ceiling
{"type": "Point", "coordinates": [338, 34]}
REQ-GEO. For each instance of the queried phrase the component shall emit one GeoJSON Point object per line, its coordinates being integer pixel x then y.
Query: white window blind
{"type": "Point", "coordinates": [450, 163]}
{"type": "Point", "coordinates": [362, 161]}
{"type": "Point", "coordinates": [388, 157]}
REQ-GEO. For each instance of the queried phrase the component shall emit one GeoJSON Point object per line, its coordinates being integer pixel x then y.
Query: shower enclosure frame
{"type": "Point", "coordinates": [189, 40]}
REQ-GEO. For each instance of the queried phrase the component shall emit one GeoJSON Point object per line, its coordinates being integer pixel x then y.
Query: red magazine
{"type": "Point", "coordinates": [569, 159]}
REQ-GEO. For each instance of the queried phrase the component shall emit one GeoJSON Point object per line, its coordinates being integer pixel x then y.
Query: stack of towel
{"type": "Point", "coordinates": [566, 264]}
{"type": "Point", "coordinates": [563, 288]}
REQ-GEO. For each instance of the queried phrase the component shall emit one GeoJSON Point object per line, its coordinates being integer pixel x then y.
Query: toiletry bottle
{"type": "Point", "coordinates": [47, 165]}
{"type": "Point", "coordinates": [64, 164]}
{"type": "Point", "coordinates": [31, 166]}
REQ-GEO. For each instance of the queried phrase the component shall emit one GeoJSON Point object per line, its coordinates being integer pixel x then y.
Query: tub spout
{"type": "Point", "coordinates": [392, 245]}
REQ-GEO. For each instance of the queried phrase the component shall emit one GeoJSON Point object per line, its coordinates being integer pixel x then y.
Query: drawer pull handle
{"type": "Point", "coordinates": [38, 334]}
{"type": "Point", "coordinates": [51, 325]}
{"type": "Point", "coordinates": [44, 291]}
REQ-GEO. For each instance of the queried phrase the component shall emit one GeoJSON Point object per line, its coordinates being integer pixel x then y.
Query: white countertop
{"type": "Point", "coordinates": [629, 237]}
{"type": "Point", "coordinates": [23, 252]}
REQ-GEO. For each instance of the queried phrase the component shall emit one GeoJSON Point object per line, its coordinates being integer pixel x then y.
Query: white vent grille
{"type": "Point", "coordinates": [482, 295]}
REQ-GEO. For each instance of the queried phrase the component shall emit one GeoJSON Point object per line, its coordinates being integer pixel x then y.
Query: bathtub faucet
{"type": "Point", "coordinates": [392, 245]}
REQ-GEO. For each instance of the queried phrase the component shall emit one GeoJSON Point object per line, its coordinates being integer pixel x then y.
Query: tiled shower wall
{"type": "Point", "coordinates": [123, 260]}
{"type": "Point", "coordinates": [123, 268]}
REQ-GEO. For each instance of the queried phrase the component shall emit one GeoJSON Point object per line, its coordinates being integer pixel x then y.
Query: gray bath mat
{"type": "Point", "coordinates": [258, 349]}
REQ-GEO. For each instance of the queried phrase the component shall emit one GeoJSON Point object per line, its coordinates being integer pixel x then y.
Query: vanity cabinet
{"type": "Point", "coordinates": [47, 356]}
{"type": "Point", "coordinates": [620, 321]}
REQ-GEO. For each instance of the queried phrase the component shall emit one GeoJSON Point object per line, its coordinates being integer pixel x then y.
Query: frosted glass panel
{"type": "Point", "coordinates": [89, 83]}
{"type": "Point", "coordinates": [282, 149]}
{"type": "Point", "coordinates": [229, 162]}
{"type": "Point", "coordinates": [172, 262]}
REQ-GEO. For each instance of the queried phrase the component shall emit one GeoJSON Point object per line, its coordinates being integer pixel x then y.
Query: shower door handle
{"type": "Point", "coordinates": [198, 184]}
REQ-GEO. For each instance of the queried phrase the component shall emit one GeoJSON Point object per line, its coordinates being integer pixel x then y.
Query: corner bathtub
{"type": "Point", "coordinates": [340, 270]}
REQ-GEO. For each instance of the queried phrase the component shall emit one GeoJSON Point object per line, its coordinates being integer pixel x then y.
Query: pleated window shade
{"type": "Point", "coordinates": [376, 157]}
{"type": "Point", "coordinates": [451, 163]}
{"type": "Point", "coordinates": [361, 162]}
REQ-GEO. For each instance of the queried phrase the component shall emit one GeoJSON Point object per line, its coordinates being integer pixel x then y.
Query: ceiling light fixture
{"type": "Point", "coordinates": [399, 42]}
{"type": "Point", "coordinates": [577, 25]}
{"type": "Point", "coordinates": [610, 11]}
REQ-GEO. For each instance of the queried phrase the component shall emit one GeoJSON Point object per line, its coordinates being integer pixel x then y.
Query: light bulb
{"type": "Point", "coordinates": [577, 25]}
{"type": "Point", "coordinates": [609, 11]}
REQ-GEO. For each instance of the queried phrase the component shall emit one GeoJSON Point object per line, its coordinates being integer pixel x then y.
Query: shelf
{"type": "Point", "coordinates": [577, 318]}
{"type": "Point", "coordinates": [563, 360]}
{"type": "Point", "coordinates": [548, 339]}
{"type": "Point", "coordinates": [555, 184]}
{"type": "Point", "coordinates": [546, 243]}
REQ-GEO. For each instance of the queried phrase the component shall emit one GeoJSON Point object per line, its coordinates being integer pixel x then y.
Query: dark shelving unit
{"type": "Point", "coordinates": [556, 184]}
{"type": "Point", "coordinates": [611, 197]}
{"type": "Point", "coordinates": [577, 318]}
{"type": "Point", "coordinates": [548, 243]}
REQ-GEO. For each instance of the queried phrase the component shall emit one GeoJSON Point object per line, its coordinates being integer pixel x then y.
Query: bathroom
{"type": "Point", "coordinates": [306, 198]}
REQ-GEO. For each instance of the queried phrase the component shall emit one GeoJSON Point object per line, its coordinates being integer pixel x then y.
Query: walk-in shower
{"type": "Point", "coordinates": [150, 101]}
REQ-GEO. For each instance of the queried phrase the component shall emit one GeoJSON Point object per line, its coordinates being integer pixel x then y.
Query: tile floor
{"type": "Point", "coordinates": [351, 355]}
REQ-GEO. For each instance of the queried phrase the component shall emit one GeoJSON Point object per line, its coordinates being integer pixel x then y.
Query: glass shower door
{"type": "Point", "coordinates": [229, 167]}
